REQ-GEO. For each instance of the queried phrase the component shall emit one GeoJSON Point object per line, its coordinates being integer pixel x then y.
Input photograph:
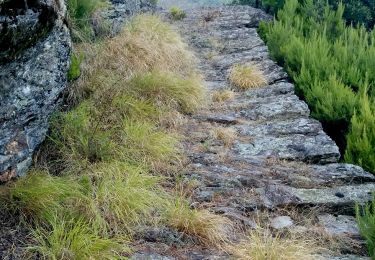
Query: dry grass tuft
{"type": "Point", "coordinates": [261, 244]}
{"type": "Point", "coordinates": [244, 77]}
{"type": "Point", "coordinates": [225, 134]}
{"type": "Point", "coordinates": [209, 228]}
{"type": "Point", "coordinates": [222, 95]}
{"type": "Point", "coordinates": [147, 43]}
{"type": "Point", "coordinates": [170, 90]}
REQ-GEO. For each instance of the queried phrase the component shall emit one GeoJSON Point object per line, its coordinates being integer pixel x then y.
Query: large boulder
{"type": "Point", "coordinates": [34, 58]}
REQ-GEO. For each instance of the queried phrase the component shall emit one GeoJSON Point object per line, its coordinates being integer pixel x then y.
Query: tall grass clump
{"type": "Point", "coordinates": [80, 14]}
{"type": "Point", "coordinates": [147, 43]}
{"type": "Point", "coordinates": [126, 195]}
{"type": "Point", "coordinates": [73, 239]}
{"type": "Point", "coordinates": [333, 67]}
{"type": "Point", "coordinates": [40, 195]}
{"type": "Point", "coordinates": [366, 222]}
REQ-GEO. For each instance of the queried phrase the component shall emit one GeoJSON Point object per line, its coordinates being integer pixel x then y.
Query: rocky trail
{"type": "Point", "coordinates": [279, 169]}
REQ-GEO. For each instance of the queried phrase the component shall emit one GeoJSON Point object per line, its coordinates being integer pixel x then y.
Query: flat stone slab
{"type": "Point", "coordinates": [280, 88]}
{"type": "Point", "coordinates": [313, 149]}
{"type": "Point", "coordinates": [348, 173]}
{"type": "Point", "coordinates": [340, 225]}
{"type": "Point", "coordinates": [342, 197]}
{"type": "Point", "coordinates": [301, 125]}
{"type": "Point", "coordinates": [282, 107]}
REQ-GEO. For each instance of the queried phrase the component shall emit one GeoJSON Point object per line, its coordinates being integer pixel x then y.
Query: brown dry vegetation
{"type": "Point", "coordinates": [262, 244]}
{"type": "Point", "coordinates": [243, 77]}
{"type": "Point", "coordinates": [223, 95]}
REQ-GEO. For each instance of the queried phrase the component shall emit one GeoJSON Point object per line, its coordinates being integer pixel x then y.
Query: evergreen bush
{"type": "Point", "coordinates": [333, 67]}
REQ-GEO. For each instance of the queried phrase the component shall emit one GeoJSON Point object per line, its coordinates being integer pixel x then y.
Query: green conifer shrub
{"type": "Point", "coordinates": [332, 65]}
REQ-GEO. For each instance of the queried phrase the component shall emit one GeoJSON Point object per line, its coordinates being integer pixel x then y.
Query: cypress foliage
{"type": "Point", "coordinates": [333, 66]}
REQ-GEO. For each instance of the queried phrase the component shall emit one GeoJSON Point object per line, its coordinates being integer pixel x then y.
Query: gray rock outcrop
{"type": "Point", "coordinates": [34, 60]}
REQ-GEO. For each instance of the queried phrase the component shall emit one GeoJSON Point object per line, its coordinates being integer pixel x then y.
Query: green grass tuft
{"type": "Point", "coordinates": [75, 70]}
{"type": "Point", "coordinates": [74, 239]}
{"type": "Point", "coordinates": [176, 13]}
{"type": "Point", "coordinates": [39, 195]}
{"type": "Point", "coordinates": [126, 195]}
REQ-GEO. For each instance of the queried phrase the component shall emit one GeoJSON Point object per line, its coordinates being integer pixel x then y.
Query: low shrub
{"type": "Point", "coordinates": [361, 138]}
{"type": "Point", "coordinates": [333, 67]}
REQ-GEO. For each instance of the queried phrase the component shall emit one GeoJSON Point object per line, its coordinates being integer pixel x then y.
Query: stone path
{"type": "Point", "coordinates": [281, 161]}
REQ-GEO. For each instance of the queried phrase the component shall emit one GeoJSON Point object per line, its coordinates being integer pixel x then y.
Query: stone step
{"type": "Point", "coordinates": [279, 88]}
{"type": "Point", "coordinates": [269, 108]}
{"type": "Point", "coordinates": [311, 149]}
{"type": "Point", "coordinates": [339, 199]}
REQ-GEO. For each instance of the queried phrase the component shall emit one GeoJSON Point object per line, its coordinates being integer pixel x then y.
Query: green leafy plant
{"type": "Point", "coordinates": [80, 14]}
{"type": "Point", "coordinates": [75, 66]}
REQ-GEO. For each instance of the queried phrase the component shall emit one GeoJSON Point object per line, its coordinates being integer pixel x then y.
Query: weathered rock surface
{"type": "Point", "coordinates": [32, 77]}
{"type": "Point", "coordinates": [121, 10]}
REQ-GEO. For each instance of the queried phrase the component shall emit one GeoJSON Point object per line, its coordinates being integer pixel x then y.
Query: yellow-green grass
{"type": "Point", "coordinates": [167, 89]}
{"type": "Point", "coordinates": [243, 77]}
{"type": "Point", "coordinates": [74, 239]}
{"type": "Point", "coordinates": [86, 135]}
{"type": "Point", "coordinates": [261, 244]}
{"type": "Point", "coordinates": [39, 195]}
{"type": "Point", "coordinates": [209, 228]}
{"type": "Point", "coordinates": [127, 196]}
